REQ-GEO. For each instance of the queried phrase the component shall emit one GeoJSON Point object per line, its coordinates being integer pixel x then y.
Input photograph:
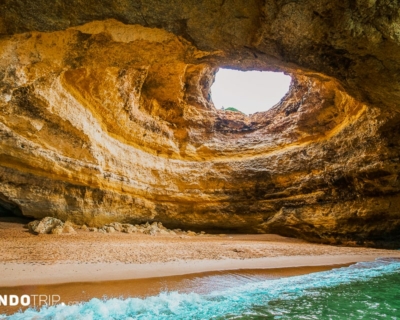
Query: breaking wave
{"type": "Point", "coordinates": [271, 299]}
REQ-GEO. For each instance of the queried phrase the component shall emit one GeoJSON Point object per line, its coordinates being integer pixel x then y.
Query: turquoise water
{"type": "Point", "coordinates": [369, 290]}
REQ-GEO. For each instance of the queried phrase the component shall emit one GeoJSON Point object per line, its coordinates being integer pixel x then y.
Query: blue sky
{"type": "Point", "coordinates": [249, 91]}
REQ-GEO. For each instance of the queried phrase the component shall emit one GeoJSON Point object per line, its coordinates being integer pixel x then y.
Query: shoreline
{"type": "Point", "coordinates": [79, 267]}
{"type": "Point", "coordinates": [22, 274]}
{"type": "Point", "coordinates": [199, 283]}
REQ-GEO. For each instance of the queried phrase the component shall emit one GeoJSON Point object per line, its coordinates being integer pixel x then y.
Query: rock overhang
{"type": "Point", "coordinates": [109, 120]}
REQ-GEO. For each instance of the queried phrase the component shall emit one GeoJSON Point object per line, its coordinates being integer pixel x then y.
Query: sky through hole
{"type": "Point", "coordinates": [249, 91]}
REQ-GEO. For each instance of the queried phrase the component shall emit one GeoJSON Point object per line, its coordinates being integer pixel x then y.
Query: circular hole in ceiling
{"type": "Point", "coordinates": [248, 91]}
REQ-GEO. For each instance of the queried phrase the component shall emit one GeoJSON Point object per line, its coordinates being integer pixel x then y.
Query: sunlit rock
{"type": "Point", "coordinates": [104, 121]}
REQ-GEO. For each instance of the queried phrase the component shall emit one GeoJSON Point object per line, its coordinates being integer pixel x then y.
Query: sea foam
{"type": "Point", "coordinates": [228, 303]}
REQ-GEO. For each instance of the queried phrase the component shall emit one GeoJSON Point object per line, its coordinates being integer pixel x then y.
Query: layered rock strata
{"type": "Point", "coordinates": [108, 121]}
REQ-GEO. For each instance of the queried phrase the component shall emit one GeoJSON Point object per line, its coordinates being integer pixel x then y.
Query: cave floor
{"type": "Point", "coordinates": [21, 251]}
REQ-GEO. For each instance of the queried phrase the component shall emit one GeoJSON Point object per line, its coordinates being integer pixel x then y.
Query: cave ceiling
{"type": "Point", "coordinates": [106, 115]}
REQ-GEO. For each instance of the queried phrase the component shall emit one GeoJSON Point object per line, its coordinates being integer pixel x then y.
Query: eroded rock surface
{"type": "Point", "coordinates": [46, 225]}
{"type": "Point", "coordinates": [106, 115]}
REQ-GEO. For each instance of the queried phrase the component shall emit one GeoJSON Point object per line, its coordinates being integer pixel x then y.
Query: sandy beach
{"type": "Point", "coordinates": [79, 267]}
{"type": "Point", "coordinates": [27, 259]}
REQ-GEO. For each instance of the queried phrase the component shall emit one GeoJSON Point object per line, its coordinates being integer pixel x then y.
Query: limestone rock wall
{"type": "Point", "coordinates": [106, 115]}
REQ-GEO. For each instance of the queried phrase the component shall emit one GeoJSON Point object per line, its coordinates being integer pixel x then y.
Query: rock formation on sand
{"type": "Point", "coordinates": [106, 115]}
{"type": "Point", "coordinates": [50, 225]}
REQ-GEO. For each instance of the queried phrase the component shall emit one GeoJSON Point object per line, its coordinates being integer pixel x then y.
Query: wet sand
{"type": "Point", "coordinates": [22, 274]}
